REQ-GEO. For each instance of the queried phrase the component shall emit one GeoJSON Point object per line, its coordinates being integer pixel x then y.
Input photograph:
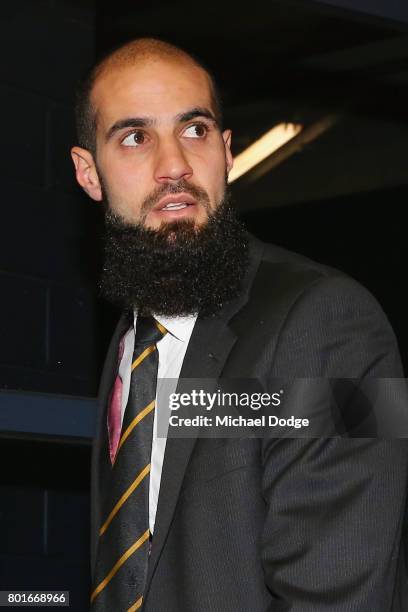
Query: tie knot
{"type": "Point", "coordinates": [148, 331]}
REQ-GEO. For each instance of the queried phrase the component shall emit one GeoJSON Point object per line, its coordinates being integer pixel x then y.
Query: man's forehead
{"type": "Point", "coordinates": [150, 88]}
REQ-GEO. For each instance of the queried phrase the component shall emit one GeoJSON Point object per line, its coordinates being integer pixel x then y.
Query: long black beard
{"type": "Point", "coordinates": [177, 270]}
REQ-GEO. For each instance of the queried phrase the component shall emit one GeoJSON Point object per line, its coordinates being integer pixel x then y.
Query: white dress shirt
{"type": "Point", "coordinates": [172, 349]}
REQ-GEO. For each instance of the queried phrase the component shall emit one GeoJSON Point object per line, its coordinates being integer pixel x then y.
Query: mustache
{"type": "Point", "coordinates": [181, 186]}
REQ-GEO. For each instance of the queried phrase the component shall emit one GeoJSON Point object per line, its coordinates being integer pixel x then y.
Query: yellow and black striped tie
{"type": "Point", "coordinates": [123, 549]}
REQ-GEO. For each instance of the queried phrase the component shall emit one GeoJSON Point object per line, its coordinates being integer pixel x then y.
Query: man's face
{"type": "Point", "coordinates": [160, 156]}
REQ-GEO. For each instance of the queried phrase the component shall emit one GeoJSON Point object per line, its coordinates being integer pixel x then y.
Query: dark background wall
{"type": "Point", "coordinates": [340, 200]}
{"type": "Point", "coordinates": [47, 338]}
{"type": "Point", "coordinates": [47, 306]}
{"type": "Point", "coordinates": [44, 518]}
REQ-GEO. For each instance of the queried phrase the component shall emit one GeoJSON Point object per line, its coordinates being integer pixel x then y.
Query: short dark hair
{"type": "Point", "coordinates": [139, 48]}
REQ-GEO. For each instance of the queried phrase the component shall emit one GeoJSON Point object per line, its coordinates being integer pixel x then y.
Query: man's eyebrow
{"type": "Point", "coordinates": [198, 111]}
{"type": "Point", "coordinates": [129, 122]}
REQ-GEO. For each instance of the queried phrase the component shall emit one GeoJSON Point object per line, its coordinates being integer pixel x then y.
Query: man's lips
{"type": "Point", "coordinates": [176, 201]}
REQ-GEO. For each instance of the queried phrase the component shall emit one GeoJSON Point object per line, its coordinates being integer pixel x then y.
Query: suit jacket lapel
{"type": "Point", "coordinates": [101, 465]}
{"type": "Point", "coordinates": [210, 344]}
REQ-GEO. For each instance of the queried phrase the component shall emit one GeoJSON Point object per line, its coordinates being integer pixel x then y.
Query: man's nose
{"type": "Point", "coordinates": [171, 162]}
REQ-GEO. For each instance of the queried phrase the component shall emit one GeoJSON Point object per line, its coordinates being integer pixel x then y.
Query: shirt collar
{"type": "Point", "coordinates": [179, 327]}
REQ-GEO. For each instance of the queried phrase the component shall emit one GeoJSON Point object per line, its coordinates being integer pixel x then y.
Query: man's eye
{"type": "Point", "coordinates": [198, 130]}
{"type": "Point", "coordinates": [134, 139]}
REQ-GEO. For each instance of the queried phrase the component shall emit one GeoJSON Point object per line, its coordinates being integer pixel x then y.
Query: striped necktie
{"type": "Point", "coordinates": [123, 548]}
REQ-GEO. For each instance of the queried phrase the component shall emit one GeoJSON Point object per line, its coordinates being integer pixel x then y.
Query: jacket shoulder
{"type": "Point", "coordinates": [288, 282]}
{"type": "Point", "coordinates": [299, 273]}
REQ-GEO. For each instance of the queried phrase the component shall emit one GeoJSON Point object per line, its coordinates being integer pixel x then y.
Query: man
{"type": "Point", "coordinates": [231, 523]}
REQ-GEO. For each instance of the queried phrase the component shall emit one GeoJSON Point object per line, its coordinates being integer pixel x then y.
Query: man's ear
{"type": "Point", "coordinates": [86, 174]}
{"type": "Point", "coordinates": [226, 136]}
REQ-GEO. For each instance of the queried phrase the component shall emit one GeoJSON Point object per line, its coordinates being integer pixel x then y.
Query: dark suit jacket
{"type": "Point", "coordinates": [273, 524]}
